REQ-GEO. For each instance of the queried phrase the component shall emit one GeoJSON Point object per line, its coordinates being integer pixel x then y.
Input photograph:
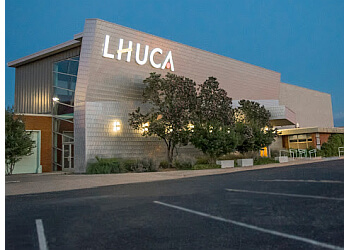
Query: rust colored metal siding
{"type": "Point", "coordinates": [33, 91]}
{"type": "Point", "coordinates": [44, 124]}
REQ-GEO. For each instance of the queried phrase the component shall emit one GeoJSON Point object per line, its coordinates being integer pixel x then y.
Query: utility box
{"type": "Point", "coordinates": [226, 163]}
{"type": "Point", "coordinates": [281, 159]}
{"type": "Point", "coordinates": [245, 162]}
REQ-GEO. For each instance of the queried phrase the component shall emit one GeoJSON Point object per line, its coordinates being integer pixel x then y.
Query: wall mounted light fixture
{"type": "Point", "coordinates": [116, 126]}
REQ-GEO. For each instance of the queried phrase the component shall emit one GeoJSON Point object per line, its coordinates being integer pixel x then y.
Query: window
{"type": "Point", "coordinates": [302, 141]}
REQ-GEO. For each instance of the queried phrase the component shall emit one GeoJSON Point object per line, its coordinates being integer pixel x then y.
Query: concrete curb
{"type": "Point", "coordinates": [54, 182]}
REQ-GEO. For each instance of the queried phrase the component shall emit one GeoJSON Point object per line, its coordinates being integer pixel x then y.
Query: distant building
{"type": "Point", "coordinates": [79, 94]}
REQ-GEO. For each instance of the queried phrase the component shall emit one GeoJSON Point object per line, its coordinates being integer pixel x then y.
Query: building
{"type": "Point", "coordinates": [79, 93]}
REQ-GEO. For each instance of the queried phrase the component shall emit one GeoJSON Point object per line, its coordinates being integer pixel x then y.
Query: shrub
{"type": "Point", "coordinates": [264, 160]}
{"type": "Point", "coordinates": [183, 165]}
{"type": "Point", "coordinates": [330, 148]}
{"type": "Point", "coordinates": [115, 165]}
{"type": "Point", "coordinates": [202, 160]}
{"type": "Point", "coordinates": [105, 166]}
{"type": "Point", "coordinates": [164, 164]}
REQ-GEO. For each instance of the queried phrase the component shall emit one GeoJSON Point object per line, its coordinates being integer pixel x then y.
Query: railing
{"type": "Point", "coordinates": [341, 150]}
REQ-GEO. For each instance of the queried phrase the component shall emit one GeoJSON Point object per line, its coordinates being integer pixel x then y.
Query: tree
{"type": "Point", "coordinates": [17, 140]}
{"type": "Point", "coordinates": [253, 124]}
{"type": "Point", "coordinates": [213, 130]}
{"type": "Point", "coordinates": [330, 148]}
{"type": "Point", "coordinates": [172, 100]}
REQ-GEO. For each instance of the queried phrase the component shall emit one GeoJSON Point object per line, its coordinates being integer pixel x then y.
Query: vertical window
{"type": "Point", "coordinates": [64, 81]}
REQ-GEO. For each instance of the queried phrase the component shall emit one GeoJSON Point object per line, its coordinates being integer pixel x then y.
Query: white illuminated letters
{"type": "Point", "coordinates": [120, 51]}
{"type": "Point", "coordinates": [168, 62]}
{"type": "Point", "coordinates": [105, 48]}
{"type": "Point", "coordinates": [145, 55]}
{"type": "Point", "coordinates": [151, 59]}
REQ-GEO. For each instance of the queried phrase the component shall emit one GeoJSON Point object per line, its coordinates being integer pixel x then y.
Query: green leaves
{"type": "Point", "coordinates": [18, 142]}
{"type": "Point", "coordinates": [253, 122]}
{"type": "Point", "coordinates": [180, 114]}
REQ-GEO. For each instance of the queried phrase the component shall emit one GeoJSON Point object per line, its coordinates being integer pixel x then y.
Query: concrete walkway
{"type": "Point", "coordinates": [60, 181]}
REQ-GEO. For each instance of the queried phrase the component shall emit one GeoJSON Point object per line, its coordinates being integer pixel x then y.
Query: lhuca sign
{"type": "Point", "coordinates": [167, 63]}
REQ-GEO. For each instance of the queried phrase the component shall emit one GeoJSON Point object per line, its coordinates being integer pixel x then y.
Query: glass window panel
{"type": "Point", "coordinates": [293, 145]}
{"type": "Point", "coordinates": [62, 66]}
{"type": "Point", "coordinates": [65, 81]}
{"type": "Point", "coordinates": [60, 109]}
{"type": "Point", "coordinates": [65, 96]}
{"type": "Point", "coordinates": [302, 136]}
{"type": "Point", "coordinates": [73, 67]}
{"type": "Point", "coordinates": [293, 137]}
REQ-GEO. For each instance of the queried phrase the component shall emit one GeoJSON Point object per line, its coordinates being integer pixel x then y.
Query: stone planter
{"type": "Point", "coordinates": [245, 162]}
{"type": "Point", "coordinates": [281, 159]}
{"type": "Point", "coordinates": [226, 163]}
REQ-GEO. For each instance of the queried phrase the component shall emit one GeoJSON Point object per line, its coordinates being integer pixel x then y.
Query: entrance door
{"type": "Point", "coordinates": [68, 157]}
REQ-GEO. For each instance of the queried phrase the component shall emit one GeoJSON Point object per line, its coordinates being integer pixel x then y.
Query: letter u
{"type": "Point", "coordinates": [137, 57]}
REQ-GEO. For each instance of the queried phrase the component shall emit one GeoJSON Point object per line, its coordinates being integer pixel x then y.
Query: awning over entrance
{"type": "Point", "coordinates": [281, 116]}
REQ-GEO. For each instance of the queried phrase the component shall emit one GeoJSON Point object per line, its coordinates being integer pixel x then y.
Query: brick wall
{"type": "Point", "coordinates": [44, 124]}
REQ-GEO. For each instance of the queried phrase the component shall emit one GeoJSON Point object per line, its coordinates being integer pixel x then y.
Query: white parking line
{"type": "Point", "coordinates": [41, 235]}
{"type": "Point", "coordinates": [284, 194]}
{"type": "Point", "coordinates": [315, 181]}
{"type": "Point", "coordinates": [289, 236]}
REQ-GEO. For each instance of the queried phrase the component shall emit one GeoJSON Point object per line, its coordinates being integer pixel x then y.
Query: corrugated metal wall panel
{"type": "Point", "coordinates": [34, 83]}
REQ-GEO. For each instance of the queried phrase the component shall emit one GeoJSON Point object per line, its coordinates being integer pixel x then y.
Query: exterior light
{"type": "Point", "coordinates": [116, 126]}
{"type": "Point", "coordinates": [190, 127]}
{"type": "Point", "coordinates": [55, 99]}
{"type": "Point", "coordinates": [144, 127]}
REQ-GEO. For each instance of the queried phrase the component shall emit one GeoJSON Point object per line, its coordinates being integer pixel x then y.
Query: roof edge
{"type": "Point", "coordinates": [45, 52]}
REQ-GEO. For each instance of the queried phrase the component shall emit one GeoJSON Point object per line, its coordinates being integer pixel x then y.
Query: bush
{"type": "Point", "coordinates": [105, 166]}
{"type": "Point", "coordinates": [183, 165]}
{"type": "Point", "coordinates": [264, 160]}
{"type": "Point", "coordinates": [164, 164]}
{"type": "Point", "coordinates": [115, 165]}
{"type": "Point", "coordinates": [202, 160]}
{"type": "Point", "coordinates": [330, 148]}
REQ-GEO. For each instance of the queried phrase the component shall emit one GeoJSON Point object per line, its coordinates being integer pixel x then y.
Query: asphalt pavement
{"type": "Point", "coordinates": [296, 207]}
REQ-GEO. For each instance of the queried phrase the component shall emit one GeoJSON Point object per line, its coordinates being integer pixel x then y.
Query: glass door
{"type": "Point", "coordinates": [68, 157]}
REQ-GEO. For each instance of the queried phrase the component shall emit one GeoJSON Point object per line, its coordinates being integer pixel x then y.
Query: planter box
{"type": "Point", "coordinates": [281, 159]}
{"type": "Point", "coordinates": [226, 163]}
{"type": "Point", "coordinates": [245, 162]}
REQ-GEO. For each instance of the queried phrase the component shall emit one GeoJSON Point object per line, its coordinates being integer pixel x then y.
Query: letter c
{"type": "Point", "coordinates": [155, 65]}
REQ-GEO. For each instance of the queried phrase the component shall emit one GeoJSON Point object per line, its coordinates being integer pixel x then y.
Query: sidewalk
{"type": "Point", "coordinates": [59, 181]}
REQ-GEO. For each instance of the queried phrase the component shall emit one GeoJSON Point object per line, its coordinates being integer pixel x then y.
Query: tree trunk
{"type": "Point", "coordinates": [170, 153]}
{"type": "Point", "coordinates": [12, 167]}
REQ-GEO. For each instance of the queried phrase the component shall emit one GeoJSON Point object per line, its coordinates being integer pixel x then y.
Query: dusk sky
{"type": "Point", "coordinates": [301, 39]}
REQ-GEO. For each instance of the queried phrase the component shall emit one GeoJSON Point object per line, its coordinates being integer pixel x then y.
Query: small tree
{"type": "Point", "coordinates": [172, 101]}
{"type": "Point", "coordinates": [213, 131]}
{"type": "Point", "coordinates": [330, 148]}
{"type": "Point", "coordinates": [17, 140]}
{"type": "Point", "coordinates": [253, 125]}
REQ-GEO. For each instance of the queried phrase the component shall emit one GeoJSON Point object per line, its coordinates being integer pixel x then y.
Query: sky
{"type": "Point", "coordinates": [301, 39]}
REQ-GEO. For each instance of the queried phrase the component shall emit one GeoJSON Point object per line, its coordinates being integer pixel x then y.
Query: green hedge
{"type": "Point", "coordinates": [116, 165]}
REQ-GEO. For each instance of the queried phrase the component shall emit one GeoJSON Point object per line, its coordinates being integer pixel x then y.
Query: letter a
{"type": "Point", "coordinates": [168, 59]}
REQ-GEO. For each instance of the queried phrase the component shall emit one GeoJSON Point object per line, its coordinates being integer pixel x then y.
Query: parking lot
{"type": "Point", "coordinates": [296, 207]}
